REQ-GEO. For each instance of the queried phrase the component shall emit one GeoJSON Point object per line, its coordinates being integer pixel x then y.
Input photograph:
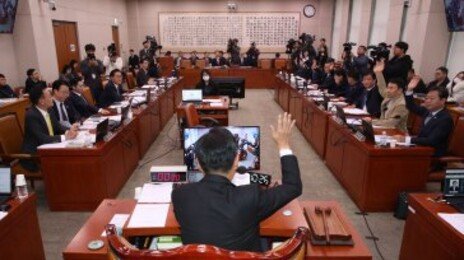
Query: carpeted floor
{"type": "Point", "coordinates": [259, 108]}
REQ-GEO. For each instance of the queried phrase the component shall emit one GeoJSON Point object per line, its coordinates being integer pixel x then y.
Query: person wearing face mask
{"type": "Point", "coordinates": [206, 85]}
{"type": "Point", "coordinates": [456, 87]}
{"type": "Point", "coordinates": [393, 111]}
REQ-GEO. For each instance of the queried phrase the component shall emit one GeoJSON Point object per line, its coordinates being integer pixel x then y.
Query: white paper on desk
{"type": "Point", "coordinates": [378, 137]}
{"type": "Point", "coordinates": [354, 111]}
{"type": "Point", "coordinates": [353, 121]}
{"type": "Point", "coordinates": [156, 193]}
{"type": "Point", "coordinates": [215, 104]}
{"type": "Point", "coordinates": [53, 146]}
{"type": "Point", "coordinates": [3, 214]}
{"type": "Point", "coordinates": [119, 220]}
{"type": "Point", "coordinates": [456, 220]}
{"type": "Point", "coordinates": [149, 215]}
{"type": "Point", "coordinates": [114, 118]}
{"type": "Point", "coordinates": [241, 179]}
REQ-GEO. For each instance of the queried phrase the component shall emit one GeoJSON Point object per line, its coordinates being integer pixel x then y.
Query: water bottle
{"type": "Point", "coordinates": [383, 138]}
{"type": "Point", "coordinates": [21, 187]}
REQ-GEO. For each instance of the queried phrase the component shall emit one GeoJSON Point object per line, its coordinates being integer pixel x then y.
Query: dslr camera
{"type": "Point", "coordinates": [380, 51]}
{"type": "Point", "coordinates": [348, 46]}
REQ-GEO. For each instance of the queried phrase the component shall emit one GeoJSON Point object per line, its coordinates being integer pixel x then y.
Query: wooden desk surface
{"type": "Point", "coordinates": [358, 251]}
{"type": "Point", "coordinates": [20, 236]}
{"type": "Point", "coordinates": [426, 235]}
{"type": "Point", "coordinates": [276, 225]}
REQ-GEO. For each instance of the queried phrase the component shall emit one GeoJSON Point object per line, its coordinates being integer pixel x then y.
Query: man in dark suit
{"type": "Point", "coordinates": [92, 69]}
{"type": "Point", "coordinates": [143, 76]}
{"type": "Point", "coordinates": [113, 90]}
{"type": "Point", "coordinates": [42, 127]}
{"type": "Point", "coordinates": [441, 78]}
{"type": "Point", "coordinates": [219, 60]}
{"type": "Point", "coordinates": [438, 124]}
{"type": "Point", "coordinates": [62, 109]}
{"type": "Point", "coordinates": [370, 100]}
{"type": "Point", "coordinates": [82, 106]}
{"type": "Point", "coordinates": [133, 60]}
{"type": "Point", "coordinates": [34, 79]}
{"type": "Point", "coordinates": [214, 211]}
{"type": "Point", "coordinates": [5, 90]}
{"type": "Point", "coordinates": [147, 53]}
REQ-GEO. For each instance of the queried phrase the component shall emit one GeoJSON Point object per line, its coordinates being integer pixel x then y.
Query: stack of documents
{"type": "Point", "coordinates": [149, 215]}
{"type": "Point", "coordinates": [355, 111]}
{"type": "Point", "coordinates": [156, 193]}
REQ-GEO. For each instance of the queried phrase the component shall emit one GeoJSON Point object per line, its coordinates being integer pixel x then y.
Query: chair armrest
{"type": "Point", "coordinates": [208, 121]}
{"type": "Point", "coordinates": [450, 159]}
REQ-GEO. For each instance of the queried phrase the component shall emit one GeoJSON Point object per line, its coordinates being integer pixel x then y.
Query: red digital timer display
{"type": "Point", "coordinates": [168, 176]}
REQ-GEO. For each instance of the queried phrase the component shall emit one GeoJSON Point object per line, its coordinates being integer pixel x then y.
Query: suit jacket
{"type": "Point", "coordinates": [110, 95]}
{"type": "Point", "coordinates": [436, 132]}
{"type": "Point", "coordinates": [71, 111]}
{"type": "Point", "coordinates": [36, 130]}
{"type": "Point", "coordinates": [142, 77]}
{"type": "Point", "coordinates": [434, 83]}
{"type": "Point", "coordinates": [215, 63]}
{"type": "Point", "coordinates": [82, 107]}
{"type": "Point", "coordinates": [30, 84]}
{"type": "Point", "coordinates": [354, 92]}
{"type": "Point", "coordinates": [216, 212]}
{"type": "Point", "coordinates": [373, 101]}
{"type": "Point", "coordinates": [7, 92]}
{"type": "Point", "coordinates": [134, 61]}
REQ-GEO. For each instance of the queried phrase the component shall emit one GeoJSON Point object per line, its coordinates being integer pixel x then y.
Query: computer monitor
{"type": "Point", "coordinates": [454, 183]}
{"type": "Point", "coordinates": [102, 130]}
{"type": "Point", "coordinates": [234, 87]}
{"type": "Point", "coordinates": [341, 114]}
{"type": "Point", "coordinates": [247, 138]}
{"type": "Point", "coordinates": [6, 184]}
{"type": "Point", "coordinates": [192, 95]}
{"type": "Point", "coordinates": [368, 131]}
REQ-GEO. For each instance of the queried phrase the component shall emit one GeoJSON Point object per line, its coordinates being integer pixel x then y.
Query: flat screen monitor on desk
{"type": "Point", "coordinates": [6, 184]}
{"type": "Point", "coordinates": [247, 138]}
{"type": "Point", "coordinates": [192, 95]}
{"type": "Point", "coordinates": [234, 87]}
{"type": "Point", "coordinates": [102, 130]}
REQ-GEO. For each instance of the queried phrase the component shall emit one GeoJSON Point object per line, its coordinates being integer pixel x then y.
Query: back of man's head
{"type": "Point", "coordinates": [30, 72]}
{"type": "Point", "coordinates": [399, 82]}
{"type": "Point", "coordinates": [402, 45]}
{"type": "Point", "coordinates": [35, 94]}
{"type": "Point", "coordinates": [216, 151]}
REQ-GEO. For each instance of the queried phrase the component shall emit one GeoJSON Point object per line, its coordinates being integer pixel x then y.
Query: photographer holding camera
{"type": "Point", "coordinates": [347, 56]}
{"type": "Point", "coordinates": [252, 56]}
{"type": "Point", "coordinates": [234, 50]}
{"type": "Point", "coordinates": [112, 61]}
{"type": "Point", "coordinates": [400, 64]}
{"type": "Point", "coordinates": [92, 69]}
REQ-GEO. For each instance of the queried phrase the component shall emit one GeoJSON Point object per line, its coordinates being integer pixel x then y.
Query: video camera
{"type": "Point", "coordinates": [290, 46]}
{"type": "Point", "coordinates": [307, 39]}
{"type": "Point", "coordinates": [381, 51]}
{"type": "Point", "coordinates": [154, 46]}
{"type": "Point", "coordinates": [348, 46]}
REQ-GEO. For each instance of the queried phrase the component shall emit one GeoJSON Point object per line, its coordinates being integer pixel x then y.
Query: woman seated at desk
{"type": "Point", "coordinates": [206, 85]}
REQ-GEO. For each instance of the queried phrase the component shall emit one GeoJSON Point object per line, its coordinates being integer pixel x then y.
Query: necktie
{"type": "Point", "coordinates": [64, 117]}
{"type": "Point", "coordinates": [49, 124]}
{"type": "Point", "coordinates": [428, 118]}
{"type": "Point", "coordinates": [117, 89]}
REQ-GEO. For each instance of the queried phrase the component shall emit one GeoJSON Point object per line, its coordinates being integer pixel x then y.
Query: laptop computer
{"type": "Point", "coordinates": [368, 131]}
{"type": "Point", "coordinates": [6, 184]}
{"type": "Point", "coordinates": [453, 188]}
{"type": "Point", "coordinates": [102, 130]}
{"type": "Point", "coordinates": [192, 96]}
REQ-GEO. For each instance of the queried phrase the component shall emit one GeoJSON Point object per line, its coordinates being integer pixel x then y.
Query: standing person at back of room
{"type": "Point", "coordinates": [216, 212]}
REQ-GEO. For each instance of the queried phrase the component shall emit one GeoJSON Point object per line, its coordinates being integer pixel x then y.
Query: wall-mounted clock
{"type": "Point", "coordinates": [309, 11]}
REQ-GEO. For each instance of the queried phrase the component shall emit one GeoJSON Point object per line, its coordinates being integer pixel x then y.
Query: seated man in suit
{"type": "Point", "coordinates": [219, 60]}
{"type": "Point", "coordinates": [441, 78]}
{"type": "Point", "coordinates": [5, 90]}
{"type": "Point", "coordinates": [113, 90]}
{"type": "Point", "coordinates": [42, 127]}
{"type": "Point", "coordinates": [78, 101]}
{"type": "Point", "coordinates": [394, 113]}
{"type": "Point", "coordinates": [214, 211]}
{"type": "Point", "coordinates": [438, 124]}
{"type": "Point", "coordinates": [133, 60]}
{"type": "Point", "coordinates": [62, 109]}
{"type": "Point", "coordinates": [355, 88]}
{"type": "Point", "coordinates": [142, 76]}
{"type": "Point", "coordinates": [34, 79]}
{"type": "Point", "coordinates": [370, 100]}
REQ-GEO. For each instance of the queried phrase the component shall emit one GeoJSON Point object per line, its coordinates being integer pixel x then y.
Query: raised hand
{"type": "Point", "coordinates": [414, 82]}
{"type": "Point", "coordinates": [379, 66]}
{"type": "Point", "coordinates": [281, 134]}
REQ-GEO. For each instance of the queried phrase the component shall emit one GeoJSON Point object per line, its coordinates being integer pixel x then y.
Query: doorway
{"type": "Point", "coordinates": [66, 42]}
{"type": "Point", "coordinates": [115, 31]}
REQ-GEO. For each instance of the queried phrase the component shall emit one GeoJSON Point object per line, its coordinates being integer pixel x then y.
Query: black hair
{"type": "Point", "coordinates": [65, 68]}
{"type": "Point", "coordinates": [89, 47]}
{"type": "Point", "coordinates": [398, 82]}
{"type": "Point", "coordinates": [370, 73]}
{"type": "Point", "coordinates": [412, 70]}
{"type": "Point", "coordinates": [113, 72]}
{"type": "Point", "coordinates": [71, 64]}
{"type": "Point", "coordinates": [277, 55]}
{"type": "Point", "coordinates": [353, 74]}
{"type": "Point", "coordinates": [73, 82]}
{"type": "Point", "coordinates": [143, 60]}
{"type": "Point", "coordinates": [330, 60]}
{"type": "Point", "coordinates": [146, 41]}
{"type": "Point", "coordinates": [341, 72]}
{"type": "Point", "coordinates": [442, 92]}
{"type": "Point", "coordinates": [168, 53]}
{"type": "Point", "coordinates": [443, 69]}
{"type": "Point", "coordinates": [35, 94]}
{"type": "Point", "coordinates": [58, 83]}
{"type": "Point", "coordinates": [402, 45]}
{"type": "Point", "coordinates": [2, 76]}
{"type": "Point", "coordinates": [216, 151]}
{"type": "Point", "coordinates": [30, 72]}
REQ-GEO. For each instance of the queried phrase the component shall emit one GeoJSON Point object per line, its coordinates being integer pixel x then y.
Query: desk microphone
{"type": "Point", "coordinates": [256, 177]}
{"type": "Point", "coordinates": [241, 170]}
